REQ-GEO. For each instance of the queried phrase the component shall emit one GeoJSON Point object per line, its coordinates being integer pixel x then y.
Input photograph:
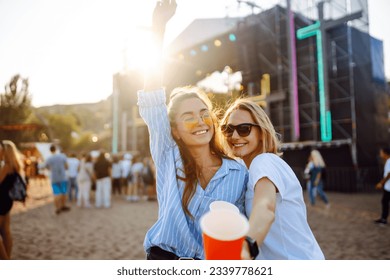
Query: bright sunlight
{"type": "Point", "coordinates": [141, 54]}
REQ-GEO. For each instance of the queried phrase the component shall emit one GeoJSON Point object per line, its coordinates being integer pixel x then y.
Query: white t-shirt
{"type": "Point", "coordinates": [137, 167]}
{"type": "Point", "coordinates": [136, 171]}
{"type": "Point", "coordinates": [86, 171]}
{"type": "Point", "coordinates": [116, 170]}
{"type": "Point", "coordinates": [290, 236]}
{"type": "Point", "coordinates": [73, 166]}
{"type": "Point", "coordinates": [386, 171]}
{"type": "Point", "coordinates": [126, 166]}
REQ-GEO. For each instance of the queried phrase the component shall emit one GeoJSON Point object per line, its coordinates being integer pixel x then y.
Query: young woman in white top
{"type": "Point", "coordinates": [274, 200]}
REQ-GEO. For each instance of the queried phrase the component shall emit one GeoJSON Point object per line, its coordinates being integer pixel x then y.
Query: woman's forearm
{"type": "Point", "coordinates": [163, 12]}
{"type": "Point", "coordinates": [263, 210]}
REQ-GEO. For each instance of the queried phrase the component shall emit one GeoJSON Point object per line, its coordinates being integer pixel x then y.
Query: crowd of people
{"type": "Point", "coordinates": [106, 175]}
{"type": "Point", "coordinates": [75, 178]}
{"type": "Point", "coordinates": [85, 181]}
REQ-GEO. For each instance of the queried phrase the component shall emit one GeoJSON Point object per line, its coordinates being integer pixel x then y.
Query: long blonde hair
{"type": "Point", "coordinates": [191, 170]}
{"type": "Point", "coordinates": [12, 157]}
{"type": "Point", "coordinates": [269, 142]}
{"type": "Point", "coordinates": [317, 159]}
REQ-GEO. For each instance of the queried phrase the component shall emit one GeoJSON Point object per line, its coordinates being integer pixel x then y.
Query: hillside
{"type": "Point", "coordinates": [91, 116]}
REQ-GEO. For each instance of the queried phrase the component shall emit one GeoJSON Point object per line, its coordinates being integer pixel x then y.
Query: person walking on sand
{"type": "Point", "coordinates": [148, 178]}
{"type": "Point", "coordinates": [73, 170]}
{"type": "Point", "coordinates": [316, 169]}
{"type": "Point", "coordinates": [57, 165]}
{"type": "Point", "coordinates": [274, 199]}
{"type": "Point", "coordinates": [135, 191]}
{"type": "Point", "coordinates": [384, 184]}
{"type": "Point", "coordinates": [84, 181]}
{"type": "Point", "coordinates": [125, 167]}
{"type": "Point", "coordinates": [192, 168]}
{"type": "Point", "coordinates": [116, 175]}
{"type": "Point", "coordinates": [102, 171]}
{"type": "Point", "coordinates": [10, 162]}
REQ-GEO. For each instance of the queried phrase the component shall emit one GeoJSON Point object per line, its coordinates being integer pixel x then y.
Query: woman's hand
{"type": "Point", "coordinates": [163, 12]}
{"type": "Point", "coordinates": [379, 185]}
{"type": "Point", "coordinates": [245, 254]}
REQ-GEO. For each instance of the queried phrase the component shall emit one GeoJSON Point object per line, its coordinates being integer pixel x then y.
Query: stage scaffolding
{"type": "Point", "coordinates": [266, 45]}
{"type": "Point", "coordinates": [263, 47]}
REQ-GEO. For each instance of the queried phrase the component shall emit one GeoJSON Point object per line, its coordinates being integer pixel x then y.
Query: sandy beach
{"type": "Point", "coordinates": [345, 231]}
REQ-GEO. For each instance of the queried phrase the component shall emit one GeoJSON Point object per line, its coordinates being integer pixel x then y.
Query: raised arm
{"type": "Point", "coordinates": [152, 100]}
{"type": "Point", "coordinates": [163, 12]}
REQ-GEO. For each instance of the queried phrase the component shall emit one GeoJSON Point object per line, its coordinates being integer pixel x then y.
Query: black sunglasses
{"type": "Point", "coordinates": [243, 129]}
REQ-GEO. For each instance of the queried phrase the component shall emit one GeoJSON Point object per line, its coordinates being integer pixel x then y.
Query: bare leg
{"type": "Point", "coordinates": [63, 200]}
{"type": "Point", "coordinates": [132, 191]}
{"type": "Point", "coordinates": [57, 202]}
{"type": "Point", "coordinates": [3, 253]}
{"type": "Point", "coordinates": [137, 191]}
{"type": "Point", "coordinates": [5, 232]}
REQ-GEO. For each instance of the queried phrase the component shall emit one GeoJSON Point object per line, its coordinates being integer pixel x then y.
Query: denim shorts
{"type": "Point", "coordinates": [59, 188]}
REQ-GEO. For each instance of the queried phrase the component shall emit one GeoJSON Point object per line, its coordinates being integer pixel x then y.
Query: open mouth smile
{"type": "Point", "coordinates": [238, 145]}
{"type": "Point", "coordinates": [200, 132]}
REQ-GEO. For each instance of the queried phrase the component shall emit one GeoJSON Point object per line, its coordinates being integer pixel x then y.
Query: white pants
{"type": "Point", "coordinates": [103, 192]}
{"type": "Point", "coordinates": [83, 194]}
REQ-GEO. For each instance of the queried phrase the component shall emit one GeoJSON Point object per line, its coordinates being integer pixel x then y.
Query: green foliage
{"type": "Point", "coordinates": [71, 125]}
{"type": "Point", "coordinates": [16, 93]}
{"type": "Point", "coordinates": [15, 108]}
{"type": "Point", "coordinates": [82, 121]}
{"type": "Point", "coordinates": [84, 142]}
{"type": "Point", "coordinates": [61, 127]}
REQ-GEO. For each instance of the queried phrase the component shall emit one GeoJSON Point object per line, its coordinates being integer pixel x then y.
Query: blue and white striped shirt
{"type": "Point", "coordinates": [174, 231]}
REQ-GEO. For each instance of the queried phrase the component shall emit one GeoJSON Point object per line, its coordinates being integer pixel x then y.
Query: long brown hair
{"type": "Point", "coordinates": [191, 170]}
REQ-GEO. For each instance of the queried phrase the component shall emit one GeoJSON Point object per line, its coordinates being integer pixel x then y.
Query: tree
{"type": "Point", "coordinates": [62, 127]}
{"type": "Point", "coordinates": [15, 108]}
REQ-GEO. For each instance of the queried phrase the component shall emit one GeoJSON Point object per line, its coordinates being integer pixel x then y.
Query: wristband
{"type": "Point", "coordinates": [253, 248]}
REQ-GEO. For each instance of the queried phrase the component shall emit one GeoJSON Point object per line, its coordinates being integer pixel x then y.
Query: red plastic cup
{"type": "Point", "coordinates": [223, 234]}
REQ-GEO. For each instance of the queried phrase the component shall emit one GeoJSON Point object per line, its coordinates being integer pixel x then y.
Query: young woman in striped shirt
{"type": "Point", "coordinates": [192, 168]}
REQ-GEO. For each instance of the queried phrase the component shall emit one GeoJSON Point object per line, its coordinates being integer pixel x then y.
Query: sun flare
{"type": "Point", "coordinates": [140, 52]}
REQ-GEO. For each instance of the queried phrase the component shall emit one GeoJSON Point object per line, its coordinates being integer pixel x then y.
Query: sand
{"type": "Point", "coordinates": [345, 231]}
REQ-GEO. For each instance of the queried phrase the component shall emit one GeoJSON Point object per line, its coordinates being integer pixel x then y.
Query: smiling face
{"type": "Point", "coordinates": [194, 125]}
{"type": "Point", "coordinates": [245, 147]}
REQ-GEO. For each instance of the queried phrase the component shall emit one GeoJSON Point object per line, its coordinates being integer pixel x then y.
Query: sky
{"type": "Point", "coordinates": [70, 49]}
